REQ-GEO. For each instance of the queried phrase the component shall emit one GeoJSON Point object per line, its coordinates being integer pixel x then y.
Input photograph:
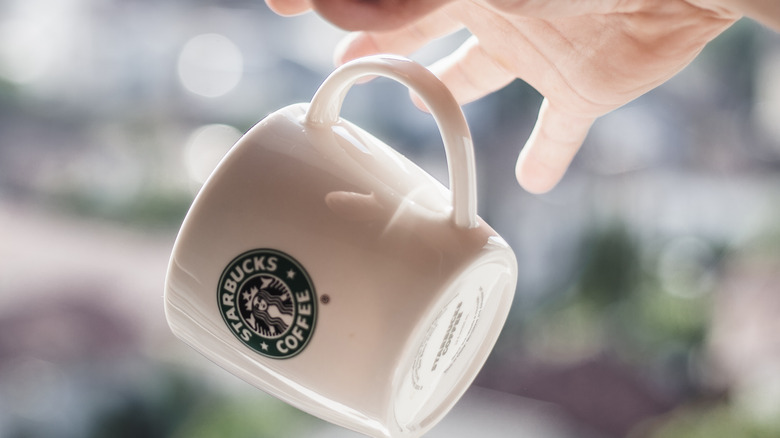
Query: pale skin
{"type": "Point", "coordinates": [586, 57]}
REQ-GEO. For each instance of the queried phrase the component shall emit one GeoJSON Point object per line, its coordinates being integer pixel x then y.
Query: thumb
{"type": "Point", "coordinates": [554, 141]}
{"type": "Point", "coordinates": [288, 7]}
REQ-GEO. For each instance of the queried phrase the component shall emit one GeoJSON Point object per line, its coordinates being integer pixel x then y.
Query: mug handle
{"type": "Point", "coordinates": [326, 105]}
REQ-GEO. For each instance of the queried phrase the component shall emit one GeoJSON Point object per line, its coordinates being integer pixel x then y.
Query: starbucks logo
{"type": "Point", "coordinates": [268, 301]}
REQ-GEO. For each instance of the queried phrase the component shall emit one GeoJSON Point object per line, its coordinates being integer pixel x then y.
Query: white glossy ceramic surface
{"type": "Point", "coordinates": [384, 291]}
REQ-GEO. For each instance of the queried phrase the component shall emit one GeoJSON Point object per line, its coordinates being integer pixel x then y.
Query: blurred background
{"type": "Point", "coordinates": [648, 302]}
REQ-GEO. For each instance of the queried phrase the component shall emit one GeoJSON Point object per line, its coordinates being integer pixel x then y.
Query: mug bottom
{"type": "Point", "coordinates": [452, 346]}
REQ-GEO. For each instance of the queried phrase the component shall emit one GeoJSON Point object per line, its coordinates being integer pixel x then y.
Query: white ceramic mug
{"type": "Point", "coordinates": [325, 268]}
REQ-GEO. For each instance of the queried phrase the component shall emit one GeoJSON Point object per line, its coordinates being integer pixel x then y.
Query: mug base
{"type": "Point", "coordinates": [453, 345]}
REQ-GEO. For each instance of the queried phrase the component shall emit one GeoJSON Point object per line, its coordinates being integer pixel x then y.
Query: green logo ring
{"type": "Point", "coordinates": [268, 301]}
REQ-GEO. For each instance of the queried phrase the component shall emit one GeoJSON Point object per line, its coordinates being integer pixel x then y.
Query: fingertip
{"type": "Point", "coordinates": [535, 178]}
{"type": "Point", "coordinates": [418, 102]}
{"type": "Point", "coordinates": [549, 151]}
{"type": "Point", "coordinates": [288, 7]}
{"type": "Point", "coordinates": [353, 46]}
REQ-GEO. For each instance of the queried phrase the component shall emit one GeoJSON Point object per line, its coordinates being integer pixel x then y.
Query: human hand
{"type": "Point", "coordinates": [585, 58]}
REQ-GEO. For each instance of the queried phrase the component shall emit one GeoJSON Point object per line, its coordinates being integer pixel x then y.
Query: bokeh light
{"type": "Point", "coordinates": [34, 35]}
{"type": "Point", "coordinates": [205, 148]}
{"type": "Point", "coordinates": [210, 65]}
